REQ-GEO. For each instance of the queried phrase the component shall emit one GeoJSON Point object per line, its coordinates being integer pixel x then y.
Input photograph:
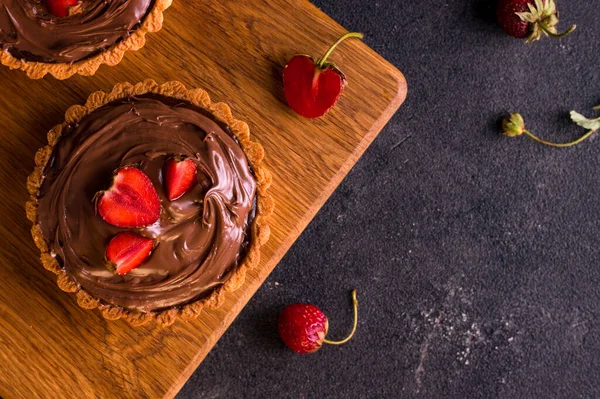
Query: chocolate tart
{"type": "Point", "coordinates": [207, 240]}
{"type": "Point", "coordinates": [35, 41]}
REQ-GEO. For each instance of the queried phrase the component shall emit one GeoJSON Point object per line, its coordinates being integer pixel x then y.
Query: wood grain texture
{"type": "Point", "coordinates": [50, 348]}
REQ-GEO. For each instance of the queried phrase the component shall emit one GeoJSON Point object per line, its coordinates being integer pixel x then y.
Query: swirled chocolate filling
{"type": "Point", "coordinates": [30, 32]}
{"type": "Point", "coordinates": [201, 237]}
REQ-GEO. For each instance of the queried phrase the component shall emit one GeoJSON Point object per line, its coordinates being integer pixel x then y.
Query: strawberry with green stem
{"type": "Point", "coordinates": [303, 327]}
{"type": "Point", "coordinates": [313, 86]}
{"type": "Point", "coordinates": [514, 126]}
{"type": "Point", "coordinates": [530, 19]}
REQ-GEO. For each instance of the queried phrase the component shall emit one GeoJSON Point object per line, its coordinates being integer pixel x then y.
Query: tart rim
{"type": "Point", "coordinates": [87, 67]}
{"type": "Point", "coordinates": [260, 230]}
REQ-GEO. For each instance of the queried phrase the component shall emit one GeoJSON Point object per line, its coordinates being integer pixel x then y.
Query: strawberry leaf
{"type": "Point", "coordinates": [590, 124]}
{"type": "Point", "coordinates": [539, 5]}
{"type": "Point", "coordinates": [527, 17]}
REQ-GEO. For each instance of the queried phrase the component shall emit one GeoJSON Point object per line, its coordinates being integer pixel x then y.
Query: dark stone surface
{"type": "Point", "coordinates": [475, 256]}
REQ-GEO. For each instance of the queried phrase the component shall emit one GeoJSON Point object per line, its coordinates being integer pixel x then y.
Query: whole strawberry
{"type": "Point", "coordinates": [303, 327]}
{"type": "Point", "coordinates": [529, 19]}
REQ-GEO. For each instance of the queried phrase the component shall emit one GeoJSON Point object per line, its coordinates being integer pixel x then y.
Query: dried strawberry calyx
{"type": "Point", "coordinates": [543, 18]}
{"type": "Point", "coordinates": [515, 126]}
{"type": "Point", "coordinates": [322, 62]}
{"type": "Point", "coordinates": [355, 307]}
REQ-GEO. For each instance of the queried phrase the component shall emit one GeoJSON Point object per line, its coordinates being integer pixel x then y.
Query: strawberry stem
{"type": "Point", "coordinates": [557, 35]}
{"type": "Point", "coordinates": [357, 35]}
{"type": "Point", "coordinates": [569, 144]}
{"type": "Point", "coordinates": [355, 305]}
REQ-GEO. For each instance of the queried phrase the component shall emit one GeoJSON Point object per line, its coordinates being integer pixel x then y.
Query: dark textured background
{"type": "Point", "coordinates": [475, 256]}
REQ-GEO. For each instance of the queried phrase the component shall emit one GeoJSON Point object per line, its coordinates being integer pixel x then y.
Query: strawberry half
{"type": "Point", "coordinates": [131, 201]}
{"type": "Point", "coordinates": [180, 175]}
{"type": "Point", "coordinates": [126, 251]}
{"type": "Point", "coordinates": [61, 8]}
{"type": "Point", "coordinates": [312, 87]}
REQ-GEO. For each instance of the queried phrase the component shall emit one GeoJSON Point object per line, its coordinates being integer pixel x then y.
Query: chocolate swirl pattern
{"type": "Point", "coordinates": [29, 32]}
{"type": "Point", "coordinates": [201, 237]}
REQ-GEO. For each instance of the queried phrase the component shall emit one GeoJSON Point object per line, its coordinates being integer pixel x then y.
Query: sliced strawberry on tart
{"type": "Point", "coordinates": [126, 251]}
{"type": "Point", "coordinates": [131, 201]}
{"type": "Point", "coordinates": [180, 175]}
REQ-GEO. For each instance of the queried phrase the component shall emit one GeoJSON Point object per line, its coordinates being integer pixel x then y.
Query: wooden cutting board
{"type": "Point", "coordinates": [49, 347]}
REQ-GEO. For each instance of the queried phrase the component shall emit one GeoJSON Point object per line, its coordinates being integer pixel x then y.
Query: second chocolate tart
{"type": "Point", "coordinates": [94, 32]}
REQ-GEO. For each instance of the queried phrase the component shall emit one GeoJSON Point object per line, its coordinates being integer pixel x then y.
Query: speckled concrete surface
{"type": "Point", "coordinates": [475, 256]}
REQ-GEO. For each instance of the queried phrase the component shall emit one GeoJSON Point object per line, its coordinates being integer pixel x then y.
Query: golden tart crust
{"type": "Point", "coordinates": [88, 67]}
{"type": "Point", "coordinates": [260, 230]}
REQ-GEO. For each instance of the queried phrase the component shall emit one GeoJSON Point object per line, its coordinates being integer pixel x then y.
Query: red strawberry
{"type": "Point", "coordinates": [60, 8]}
{"type": "Point", "coordinates": [180, 175]}
{"type": "Point", "coordinates": [311, 86]}
{"type": "Point", "coordinates": [303, 327]}
{"type": "Point", "coordinates": [131, 201]}
{"type": "Point", "coordinates": [529, 18]}
{"type": "Point", "coordinates": [126, 251]}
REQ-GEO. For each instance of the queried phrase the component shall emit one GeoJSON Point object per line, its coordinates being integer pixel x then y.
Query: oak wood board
{"type": "Point", "coordinates": [235, 50]}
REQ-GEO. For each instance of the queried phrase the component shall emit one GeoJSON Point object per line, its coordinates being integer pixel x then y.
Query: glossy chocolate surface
{"type": "Point", "coordinates": [201, 237]}
{"type": "Point", "coordinates": [30, 32]}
